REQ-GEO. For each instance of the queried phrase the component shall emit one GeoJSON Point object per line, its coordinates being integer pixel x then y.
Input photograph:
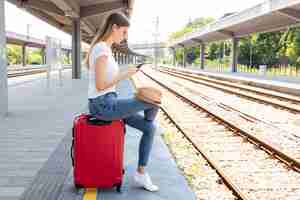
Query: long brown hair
{"type": "Point", "coordinates": [103, 34]}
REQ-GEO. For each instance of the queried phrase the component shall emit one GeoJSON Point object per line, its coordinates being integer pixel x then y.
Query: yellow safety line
{"type": "Point", "coordinates": [90, 194]}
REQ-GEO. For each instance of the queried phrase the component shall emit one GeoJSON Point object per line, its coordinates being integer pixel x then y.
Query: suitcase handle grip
{"type": "Point", "coordinates": [95, 121]}
{"type": "Point", "coordinates": [72, 156]}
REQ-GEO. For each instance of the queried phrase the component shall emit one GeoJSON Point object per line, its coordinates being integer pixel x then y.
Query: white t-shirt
{"type": "Point", "coordinates": [100, 49]}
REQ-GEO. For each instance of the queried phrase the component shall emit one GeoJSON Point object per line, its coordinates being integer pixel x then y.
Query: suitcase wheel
{"type": "Point", "coordinates": [78, 186]}
{"type": "Point", "coordinates": [119, 187]}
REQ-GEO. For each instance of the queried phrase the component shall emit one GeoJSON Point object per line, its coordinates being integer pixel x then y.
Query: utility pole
{"type": "Point", "coordinates": [28, 30]}
{"type": "Point", "coordinates": [156, 35]}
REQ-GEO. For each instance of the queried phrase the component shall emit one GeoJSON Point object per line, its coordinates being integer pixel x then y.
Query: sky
{"type": "Point", "coordinates": [172, 16]}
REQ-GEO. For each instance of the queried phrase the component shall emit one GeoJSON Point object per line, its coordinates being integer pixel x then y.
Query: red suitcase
{"type": "Point", "coordinates": [97, 152]}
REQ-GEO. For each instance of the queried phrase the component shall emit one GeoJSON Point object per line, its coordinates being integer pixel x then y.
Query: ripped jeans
{"type": "Point", "coordinates": [110, 107]}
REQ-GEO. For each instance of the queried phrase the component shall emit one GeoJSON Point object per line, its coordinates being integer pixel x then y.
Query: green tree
{"type": "Point", "coordinates": [213, 51]}
{"type": "Point", "coordinates": [191, 26]}
{"type": "Point", "coordinates": [192, 53]}
{"type": "Point", "coordinates": [13, 54]}
{"type": "Point", "coordinates": [34, 56]}
{"type": "Point", "coordinates": [257, 49]}
{"type": "Point", "coordinates": [267, 47]}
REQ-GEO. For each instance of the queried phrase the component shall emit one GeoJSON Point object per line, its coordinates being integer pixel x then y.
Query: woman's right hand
{"type": "Point", "coordinates": [131, 71]}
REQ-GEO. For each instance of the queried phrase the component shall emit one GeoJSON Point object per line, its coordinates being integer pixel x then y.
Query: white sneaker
{"type": "Point", "coordinates": [144, 180]}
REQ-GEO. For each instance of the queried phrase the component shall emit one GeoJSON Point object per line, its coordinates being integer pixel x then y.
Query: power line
{"type": "Point", "coordinates": [156, 35]}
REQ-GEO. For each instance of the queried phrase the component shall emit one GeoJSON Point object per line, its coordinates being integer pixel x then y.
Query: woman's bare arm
{"type": "Point", "coordinates": [100, 72]}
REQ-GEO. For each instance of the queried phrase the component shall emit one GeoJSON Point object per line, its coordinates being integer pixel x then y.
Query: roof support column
{"type": "Point", "coordinates": [69, 56]}
{"type": "Point", "coordinates": [43, 56]}
{"type": "Point", "coordinates": [183, 58]}
{"type": "Point", "coordinates": [76, 49]}
{"type": "Point", "coordinates": [173, 50]}
{"type": "Point", "coordinates": [3, 65]}
{"type": "Point", "coordinates": [234, 54]}
{"type": "Point", "coordinates": [24, 55]}
{"type": "Point", "coordinates": [202, 55]}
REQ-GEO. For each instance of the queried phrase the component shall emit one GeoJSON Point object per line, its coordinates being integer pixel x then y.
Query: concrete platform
{"type": "Point", "coordinates": [288, 85]}
{"type": "Point", "coordinates": [35, 146]}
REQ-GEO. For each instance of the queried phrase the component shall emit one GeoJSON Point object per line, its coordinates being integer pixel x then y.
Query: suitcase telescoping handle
{"type": "Point", "coordinates": [72, 147]}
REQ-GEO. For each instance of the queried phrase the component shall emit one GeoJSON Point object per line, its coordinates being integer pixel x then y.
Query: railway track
{"type": "Point", "coordinates": [283, 101]}
{"type": "Point", "coordinates": [284, 139]}
{"type": "Point", "coordinates": [248, 166]}
{"type": "Point", "coordinates": [274, 138]}
{"type": "Point", "coordinates": [24, 72]}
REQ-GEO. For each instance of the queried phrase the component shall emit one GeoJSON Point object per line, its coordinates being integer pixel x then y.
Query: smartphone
{"type": "Point", "coordinates": [140, 65]}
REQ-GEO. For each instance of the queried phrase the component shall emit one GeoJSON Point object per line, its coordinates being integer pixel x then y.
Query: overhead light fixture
{"type": "Point", "coordinates": [68, 13]}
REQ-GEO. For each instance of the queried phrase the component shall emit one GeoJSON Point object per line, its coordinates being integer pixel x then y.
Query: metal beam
{"type": "Point", "coordinates": [40, 5]}
{"type": "Point", "coordinates": [100, 8]}
{"type": "Point", "coordinates": [197, 40]}
{"type": "Point", "coordinates": [49, 19]}
{"type": "Point", "coordinates": [58, 7]}
{"type": "Point", "coordinates": [90, 27]}
{"type": "Point", "coordinates": [290, 13]}
{"type": "Point", "coordinates": [76, 49]}
{"type": "Point", "coordinates": [3, 65]}
{"type": "Point", "coordinates": [227, 33]}
{"type": "Point", "coordinates": [70, 7]}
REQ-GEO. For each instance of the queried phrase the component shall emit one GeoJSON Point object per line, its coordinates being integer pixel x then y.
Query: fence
{"type": "Point", "coordinates": [275, 70]}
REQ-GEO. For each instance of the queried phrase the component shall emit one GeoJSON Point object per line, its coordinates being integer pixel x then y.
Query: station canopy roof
{"type": "Point", "coordinates": [92, 14]}
{"type": "Point", "coordinates": [271, 15]}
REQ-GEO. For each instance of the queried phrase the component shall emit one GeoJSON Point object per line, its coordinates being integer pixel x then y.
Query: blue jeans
{"type": "Point", "coordinates": [110, 107]}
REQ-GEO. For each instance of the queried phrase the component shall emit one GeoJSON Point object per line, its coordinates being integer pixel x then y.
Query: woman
{"type": "Point", "coordinates": [104, 102]}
